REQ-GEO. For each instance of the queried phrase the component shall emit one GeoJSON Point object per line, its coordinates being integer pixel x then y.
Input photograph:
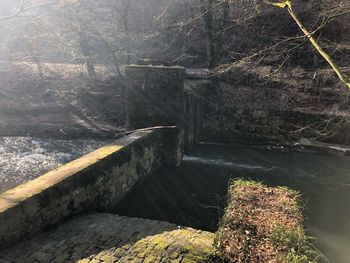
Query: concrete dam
{"type": "Point", "coordinates": [67, 209]}
{"type": "Point", "coordinates": [157, 194]}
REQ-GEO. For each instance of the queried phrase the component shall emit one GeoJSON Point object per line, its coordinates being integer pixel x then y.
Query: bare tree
{"type": "Point", "coordinates": [122, 10]}
{"type": "Point", "coordinates": [215, 16]}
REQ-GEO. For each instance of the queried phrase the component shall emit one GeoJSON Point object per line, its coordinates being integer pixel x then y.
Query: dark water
{"type": "Point", "coordinates": [194, 194]}
{"type": "Point", "coordinates": [25, 158]}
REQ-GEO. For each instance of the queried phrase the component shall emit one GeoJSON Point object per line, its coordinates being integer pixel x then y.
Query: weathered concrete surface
{"type": "Point", "coordinates": [93, 182]}
{"type": "Point", "coordinates": [98, 238]}
{"type": "Point", "coordinates": [158, 95]}
{"type": "Point", "coordinates": [155, 96]}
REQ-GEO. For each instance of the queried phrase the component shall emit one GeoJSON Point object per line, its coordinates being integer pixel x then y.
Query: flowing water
{"type": "Point", "coordinates": [194, 194]}
{"type": "Point", "coordinates": [24, 158]}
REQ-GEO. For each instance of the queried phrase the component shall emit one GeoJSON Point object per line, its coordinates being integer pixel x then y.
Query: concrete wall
{"type": "Point", "coordinates": [155, 96]}
{"type": "Point", "coordinates": [94, 182]}
{"type": "Point", "coordinates": [159, 95]}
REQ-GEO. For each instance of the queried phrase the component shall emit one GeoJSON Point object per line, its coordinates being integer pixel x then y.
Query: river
{"type": "Point", "coordinates": [194, 194]}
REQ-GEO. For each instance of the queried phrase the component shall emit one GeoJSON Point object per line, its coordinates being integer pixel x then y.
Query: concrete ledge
{"type": "Point", "coordinates": [93, 182]}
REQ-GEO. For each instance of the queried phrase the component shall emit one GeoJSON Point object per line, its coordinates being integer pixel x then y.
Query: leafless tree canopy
{"type": "Point", "coordinates": [225, 35]}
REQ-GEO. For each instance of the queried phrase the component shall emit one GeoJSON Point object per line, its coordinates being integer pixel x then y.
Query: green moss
{"type": "Point", "coordinates": [296, 195]}
{"type": "Point", "coordinates": [295, 246]}
{"type": "Point", "coordinates": [235, 184]}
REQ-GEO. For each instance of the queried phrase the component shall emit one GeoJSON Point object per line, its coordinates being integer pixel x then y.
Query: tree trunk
{"type": "Point", "coordinates": [207, 10]}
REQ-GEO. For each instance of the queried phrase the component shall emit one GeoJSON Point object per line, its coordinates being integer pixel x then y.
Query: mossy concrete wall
{"type": "Point", "coordinates": [94, 182]}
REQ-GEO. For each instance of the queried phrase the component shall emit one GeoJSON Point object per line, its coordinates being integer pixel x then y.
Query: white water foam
{"type": "Point", "coordinates": [222, 162]}
{"type": "Point", "coordinates": [24, 158]}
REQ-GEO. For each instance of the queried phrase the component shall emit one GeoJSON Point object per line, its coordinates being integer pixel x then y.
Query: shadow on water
{"type": "Point", "coordinates": [194, 194]}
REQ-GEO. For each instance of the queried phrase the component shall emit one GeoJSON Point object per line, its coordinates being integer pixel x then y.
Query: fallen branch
{"type": "Point", "coordinates": [288, 4]}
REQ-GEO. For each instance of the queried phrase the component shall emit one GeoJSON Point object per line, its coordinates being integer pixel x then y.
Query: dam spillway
{"type": "Point", "coordinates": [129, 177]}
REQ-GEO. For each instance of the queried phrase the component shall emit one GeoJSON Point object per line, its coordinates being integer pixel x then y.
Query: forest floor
{"type": "Point", "coordinates": [62, 102]}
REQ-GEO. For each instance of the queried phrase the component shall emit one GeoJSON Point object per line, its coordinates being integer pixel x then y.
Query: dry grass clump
{"type": "Point", "coordinates": [263, 224]}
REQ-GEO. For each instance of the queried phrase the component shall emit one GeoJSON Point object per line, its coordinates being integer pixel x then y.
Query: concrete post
{"type": "Point", "coordinates": [155, 97]}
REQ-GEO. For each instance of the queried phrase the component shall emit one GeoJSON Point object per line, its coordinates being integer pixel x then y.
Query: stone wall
{"type": "Point", "coordinates": [261, 125]}
{"type": "Point", "coordinates": [94, 182]}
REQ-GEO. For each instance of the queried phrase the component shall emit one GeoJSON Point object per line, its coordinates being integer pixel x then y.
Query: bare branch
{"type": "Point", "coordinates": [288, 4]}
{"type": "Point", "coordinates": [21, 10]}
